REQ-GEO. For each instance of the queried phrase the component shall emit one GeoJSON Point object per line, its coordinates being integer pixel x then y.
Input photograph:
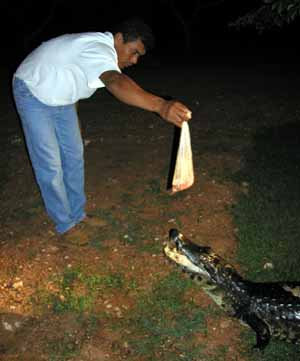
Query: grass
{"type": "Point", "coordinates": [275, 351]}
{"type": "Point", "coordinates": [63, 348]}
{"type": "Point", "coordinates": [267, 217]}
{"type": "Point", "coordinates": [131, 225]}
{"type": "Point", "coordinates": [76, 295]}
{"type": "Point", "coordinates": [77, 291]}
{"type": "Point", "coordinates": [33, 207]}
{"type": "Point", "coordinates": [163, 324]}
{"type": "Point", "coordinates": [66, 345]}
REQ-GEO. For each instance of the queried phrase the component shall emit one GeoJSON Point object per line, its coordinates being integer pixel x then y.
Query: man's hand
{"type": "Point", "coordinates": [175, 112]}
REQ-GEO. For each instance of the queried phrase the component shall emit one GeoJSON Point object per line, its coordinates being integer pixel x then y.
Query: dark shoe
{"type": "Point", "coordinates": [76, 236]}
{"type": "Point", "coordinates": [93, 221]}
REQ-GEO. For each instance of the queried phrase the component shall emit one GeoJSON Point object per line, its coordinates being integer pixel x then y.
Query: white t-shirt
{"type": "Point", "coordinates": [67, 68]}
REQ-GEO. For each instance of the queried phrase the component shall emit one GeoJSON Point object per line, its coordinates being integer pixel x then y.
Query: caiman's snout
{"type": "Point", "coordinates": [186, 254]}
{"type": "Point", "coordinates": [184, 245]}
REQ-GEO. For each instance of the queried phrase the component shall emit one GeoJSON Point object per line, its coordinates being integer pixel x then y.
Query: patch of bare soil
{"type": "Point", "coordinates": [127, 168]}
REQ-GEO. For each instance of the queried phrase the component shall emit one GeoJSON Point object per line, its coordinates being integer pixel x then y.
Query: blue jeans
{"type": "Point", "coordinates": [55, 148]}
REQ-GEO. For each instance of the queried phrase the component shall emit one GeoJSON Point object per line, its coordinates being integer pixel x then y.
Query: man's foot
{"type": "Point", "coordinates": [93, 221]}
{"type": "Point", "coordinates": [77, 236]}
{"type": "Point", "coordinates": [81, 233]}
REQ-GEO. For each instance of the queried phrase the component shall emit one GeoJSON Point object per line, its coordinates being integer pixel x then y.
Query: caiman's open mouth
{"type": "Point", "coordinates": [180, 259]}
{"type": "Point", "coordinates": [184, 253]}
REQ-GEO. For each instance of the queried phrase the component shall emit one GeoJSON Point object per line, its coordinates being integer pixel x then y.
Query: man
{"type": "Point", "coordinates": [46, 87]}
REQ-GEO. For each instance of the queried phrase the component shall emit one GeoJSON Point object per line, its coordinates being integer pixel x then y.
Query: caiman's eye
{"type": "Point", "coordinates": [216, 261]}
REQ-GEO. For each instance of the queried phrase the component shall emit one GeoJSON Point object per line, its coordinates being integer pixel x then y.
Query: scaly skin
{"type": "Point", "coordinates": [270, 309]}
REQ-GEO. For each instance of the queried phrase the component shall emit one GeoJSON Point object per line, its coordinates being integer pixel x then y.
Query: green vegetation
{"type": "Point", "coordinates": [163, 322]}
{"type": "Point", "coordinates": [131, 226]}
{"type": "Point", "coordinates": [267, 217]}
{"type": "Point", "coordinates": [270, 14]}
{"type": "Point", "coordinates": [78, 291]}
{"type": "Point", "coordinates": [63, 348]}
{"type": "Point", "coordinates": [276, 350]}
{"type": "Point", "coordinates": [67, 343]}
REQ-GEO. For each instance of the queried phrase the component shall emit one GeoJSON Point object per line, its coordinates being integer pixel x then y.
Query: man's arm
{"type": "Point", "coordinates": [129, 92]}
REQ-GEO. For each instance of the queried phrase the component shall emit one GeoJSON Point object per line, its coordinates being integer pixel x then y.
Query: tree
{"type": "Point", "coordinates": [187, 17]}
{"type": "Point", "coordinates": [271, 13]}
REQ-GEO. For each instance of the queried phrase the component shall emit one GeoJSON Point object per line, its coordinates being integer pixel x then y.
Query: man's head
{"type": "Point", "coordinates": [132, 39]}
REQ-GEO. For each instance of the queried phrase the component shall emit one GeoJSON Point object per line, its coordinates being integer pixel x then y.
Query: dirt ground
{"type": "Point", "coordinates": [127, 168]}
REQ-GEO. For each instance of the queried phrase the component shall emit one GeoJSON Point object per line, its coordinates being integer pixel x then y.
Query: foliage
{"type": "Point", "coordinates": [272, 13]}
{"type": "Point", "coordinates": [78, 291]}
{"type": "Point", "coordinates": [267, 215]}
{"type": "Point", "coordinates": [62, 349]}
{"type": "Point", "coordinates": [276, 350]}
{"type": "Point", "coordinates": [164, 322]}
{"type": "Point", "coordinates": [187, 16]}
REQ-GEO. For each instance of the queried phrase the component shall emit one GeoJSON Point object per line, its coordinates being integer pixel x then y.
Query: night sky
{"type": "Point", "coordinates": [211, 35]}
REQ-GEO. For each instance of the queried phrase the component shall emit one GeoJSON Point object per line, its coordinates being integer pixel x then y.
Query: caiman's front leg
{"type": "Point", "coordinates": [261, 329]}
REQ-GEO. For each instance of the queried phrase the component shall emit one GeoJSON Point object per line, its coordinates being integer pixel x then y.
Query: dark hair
{"type": "Point", "coordinates": [133, 29]}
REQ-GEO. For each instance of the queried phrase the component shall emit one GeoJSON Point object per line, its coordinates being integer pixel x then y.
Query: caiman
{"type": "Point", "coordinates": [270, 309]}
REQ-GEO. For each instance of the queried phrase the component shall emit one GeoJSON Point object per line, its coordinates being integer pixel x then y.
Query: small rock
{"type": "Point", "coordinates": [268, 265]}
{"type": "Point", "coordinates": [87, 142]}
{"type": "Point", "coordinates": [225, 324]}
{"type": "Point", "coordinates": [17, 284]}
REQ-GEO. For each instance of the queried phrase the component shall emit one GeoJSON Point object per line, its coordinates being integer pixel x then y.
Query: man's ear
{"type": "Point", "coordinates": [119, 38]}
